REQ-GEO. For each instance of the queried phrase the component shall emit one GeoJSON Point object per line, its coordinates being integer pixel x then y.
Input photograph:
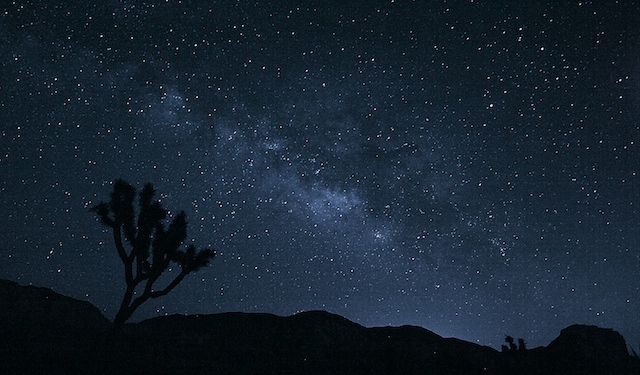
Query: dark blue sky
{"type": "Point", "coordinates": [467, 166]}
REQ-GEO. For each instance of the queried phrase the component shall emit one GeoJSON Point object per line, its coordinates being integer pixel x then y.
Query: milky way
{"type": "Point", "coordinates": [469, 167]}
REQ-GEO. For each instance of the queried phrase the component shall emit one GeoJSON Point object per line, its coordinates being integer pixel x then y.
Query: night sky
{"type": "Point", "coordinates": [471, 167]}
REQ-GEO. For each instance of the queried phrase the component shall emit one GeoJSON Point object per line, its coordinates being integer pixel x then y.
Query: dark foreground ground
{"type": "Point", "coordinates": [42, 332]}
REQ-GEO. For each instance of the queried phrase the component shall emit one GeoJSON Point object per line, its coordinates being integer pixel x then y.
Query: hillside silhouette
{"type": "Point", "coordinates": [44, 332]}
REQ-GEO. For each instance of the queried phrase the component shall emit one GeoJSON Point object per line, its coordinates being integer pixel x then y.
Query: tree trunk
{"type": "Point", "coordinates": [125, 310]}
{"type": "Point", "coordinates": [122, 316]}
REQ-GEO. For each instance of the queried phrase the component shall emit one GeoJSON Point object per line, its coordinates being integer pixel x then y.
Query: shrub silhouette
{"type": "Point", "coordinates": [152, 246]}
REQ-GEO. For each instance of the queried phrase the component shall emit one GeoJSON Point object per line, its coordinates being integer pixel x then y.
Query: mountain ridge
{"type": "Point", "coordinates": [43, 331]}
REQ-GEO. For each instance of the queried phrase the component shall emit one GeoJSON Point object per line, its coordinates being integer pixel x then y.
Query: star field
{"type": "Point", "coordinates": [469, 167]}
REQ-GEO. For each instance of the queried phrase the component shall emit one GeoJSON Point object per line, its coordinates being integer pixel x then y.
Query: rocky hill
{"type": "Point", "coordinates": [44, 332]}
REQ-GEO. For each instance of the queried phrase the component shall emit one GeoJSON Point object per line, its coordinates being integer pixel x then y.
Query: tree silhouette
{"type": "Point", "coordinates": [152, 247]}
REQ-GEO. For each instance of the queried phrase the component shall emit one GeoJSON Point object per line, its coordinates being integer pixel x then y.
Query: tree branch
{"type": "Point", "coordinates": [148, 293]}
{"type": "Point", "coordinates": [126, 260]}
{"type": "Point", "coordinates": [169, 287]}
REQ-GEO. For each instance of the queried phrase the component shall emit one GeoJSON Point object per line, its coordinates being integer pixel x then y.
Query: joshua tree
{"type": "Point", "coordinates": [152, 247]}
